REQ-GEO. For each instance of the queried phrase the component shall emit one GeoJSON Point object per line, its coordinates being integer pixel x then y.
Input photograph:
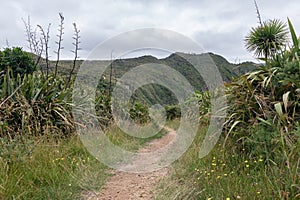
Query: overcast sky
{"type": "Point", "coordinates": [218, 25]}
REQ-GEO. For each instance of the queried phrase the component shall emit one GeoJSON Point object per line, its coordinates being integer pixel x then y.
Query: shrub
{"type": "Point", "coordinates": [269, 95]}
{"type": "Point", "coordinates": [173, 112]}
{"type": "Point", "coordinates": [140, 113]}
{"type": "Point", "coordinates": [18, 60]}
{"type": "Point", "coordinates": [35, 105]}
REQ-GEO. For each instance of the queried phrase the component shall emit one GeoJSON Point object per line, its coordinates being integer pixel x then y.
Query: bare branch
{"type": "Point", "coordinates": [59, 42]}
{"type": "Point", "coordinates": [110, 74]}
{"type": "Point", "coordinates": [7, 43]}
{"type": "Point", "coordinates": [35, 43]}
{"type": "Point", "coordinates": [258, 14]}
{"type": "Point", "coordinates": [45, 37]}
{"type": "Point", "coordinates": [76, 43]}
{"type": "Point", "coordinates": [28, 29]}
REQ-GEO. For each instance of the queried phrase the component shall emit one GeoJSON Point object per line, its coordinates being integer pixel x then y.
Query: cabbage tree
{"type": "Point", "coordinates": [267, 39]}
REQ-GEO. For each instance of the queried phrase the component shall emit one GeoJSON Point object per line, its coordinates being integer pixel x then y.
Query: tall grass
{"type": "Point", "coordinates": [230, 172]}
{"type": "Point", "coordinates": [43, 169]}
{"type": "Point", "coordinates": [127, 142]}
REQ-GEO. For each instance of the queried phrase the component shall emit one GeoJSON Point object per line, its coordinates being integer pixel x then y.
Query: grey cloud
{"type": "Point", "coordinates": [219, 25]}
{"type": "Point", "coordinates": [230, 44]}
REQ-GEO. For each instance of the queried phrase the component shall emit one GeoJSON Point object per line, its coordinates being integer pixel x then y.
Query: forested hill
{"type": "Point", "coordinates": [154, 93]}
{"type": "Point", "coordinates": [179, 63]}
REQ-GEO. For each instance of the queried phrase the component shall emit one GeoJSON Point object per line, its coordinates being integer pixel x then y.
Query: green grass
{"type": "Point", "coordinates": [47, 169]}
{"type": "Point", "coordinates": [43, 168]}
{"type": "Point", "coordinates": [127, 142]}
{"type": "Point", "coordinates": [173, 124]}
{"type": "Point", "coordinates": [230, 173]}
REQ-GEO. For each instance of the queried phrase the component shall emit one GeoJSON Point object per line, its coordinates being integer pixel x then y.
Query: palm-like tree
{"type": "Point", "coordinates": [267, 39]}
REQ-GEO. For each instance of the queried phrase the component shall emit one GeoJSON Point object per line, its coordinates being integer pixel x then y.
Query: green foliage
{"type": "Point", "coordinates": [173, 112]}
{"type": "Point", "coordinates": [18, 60]}
{"type": "Point", "coordinates": [267, 39]}
{"type": "Point", "coordinates": [35, 105]}
{"type": "Point", "coordinates": [271, 93]}
{"type": "Point", "coordinates": [267, 100]}
{"type": "Point", "coordinates": [203, 99]}
{"type": "Point", "coordinates": [103, 108]}
{"type": "Point", "coordinates": [139, 113]}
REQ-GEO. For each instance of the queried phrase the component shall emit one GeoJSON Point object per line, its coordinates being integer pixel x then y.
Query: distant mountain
{"type": "Point", "coordinates": [154, 93]}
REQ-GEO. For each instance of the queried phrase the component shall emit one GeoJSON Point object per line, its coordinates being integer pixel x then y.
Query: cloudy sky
{"type": "Point", "coordinates": [218, 25]}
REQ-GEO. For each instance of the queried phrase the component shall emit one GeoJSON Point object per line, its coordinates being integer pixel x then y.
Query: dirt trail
{"type": "Point", "coordinates": [135, 186]}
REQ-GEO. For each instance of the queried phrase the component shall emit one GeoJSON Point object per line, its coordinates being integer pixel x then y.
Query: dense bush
{"type": "Point", "coordinates": [103, 108]}
{"type": "Point", "coordinates": [173, 112]}
{"type": "Point", "coordinates": [270, 94]}
{"type": "Point", "coordinates": [264, 116]}
{"type": "Point", "coordinates": [35, 105]}
{"type": "Point", "coordinates": [139, 113]}
{"type": "Point", "coordinates": [18, 60]}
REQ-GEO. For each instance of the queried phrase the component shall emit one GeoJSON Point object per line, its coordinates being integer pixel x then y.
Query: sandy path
{"type": "Point", "coordinates": [134, 186]}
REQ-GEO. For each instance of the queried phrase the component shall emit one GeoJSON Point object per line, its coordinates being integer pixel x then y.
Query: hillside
{"type": "Point", "coordinates": [155, 93]}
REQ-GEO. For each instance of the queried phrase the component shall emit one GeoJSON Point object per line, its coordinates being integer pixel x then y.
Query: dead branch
{"type": "Point", "coordinates": [59, 42]}
{"type": "Point", "coordinates": [45, 37]}
{"type": "Point", "coordinates": [258, 13]}
{"type": "Point", "coordinates": [76, 43]}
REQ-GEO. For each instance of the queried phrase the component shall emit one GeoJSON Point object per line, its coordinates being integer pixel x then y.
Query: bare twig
{"type": "Point", "coordinates": [7, 43]}
{"type": "Point", "coordinates": [35, 43]}
{"type": "Point", "coordinates": [110, 74]}
{"type": "Point", "coordinates": [12, 94]}
{"type": "Point", "coordinates": [45, 37]}
{"type": "Point", "coordinates": [76, 43]}
{"type": "Point", "coordinates": [39, 51]}
{"type": "Point", "coordinates": [29, 32]}
{"type": "Point", "coordinates": [258, 13]}
{"type": "Point", "coordinates": [60, 39]}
